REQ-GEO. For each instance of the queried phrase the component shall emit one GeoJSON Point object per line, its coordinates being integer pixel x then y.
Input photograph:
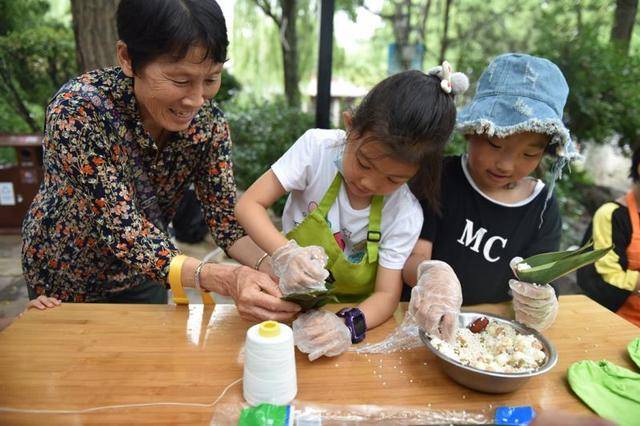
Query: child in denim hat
{"type": "Point", "coordinates": [492, 210]}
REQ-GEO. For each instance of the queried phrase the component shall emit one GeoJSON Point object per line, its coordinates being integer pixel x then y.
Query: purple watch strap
{"type": "Point", "coordinates": [355, 322]}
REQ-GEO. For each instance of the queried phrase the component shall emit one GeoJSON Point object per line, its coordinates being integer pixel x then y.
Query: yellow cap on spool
{"type": "Point", "coordinates": [269, 329]}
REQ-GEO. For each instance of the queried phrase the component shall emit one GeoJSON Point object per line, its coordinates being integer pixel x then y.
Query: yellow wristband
{"type": "Point", "coordinates": [175, 280]}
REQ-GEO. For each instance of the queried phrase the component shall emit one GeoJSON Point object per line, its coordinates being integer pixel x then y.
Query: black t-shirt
{"type": "Point", "coordinates": [478, 237]}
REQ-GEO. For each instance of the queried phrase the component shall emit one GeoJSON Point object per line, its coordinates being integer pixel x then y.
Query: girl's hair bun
{"type": "Point", "coordinates": [451, 82]}
{"type": "Point", "coordinates": [459, 83]}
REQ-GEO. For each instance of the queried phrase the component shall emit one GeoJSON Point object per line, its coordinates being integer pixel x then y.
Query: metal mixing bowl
{"type": "Point", "coordinates": [490, 381]}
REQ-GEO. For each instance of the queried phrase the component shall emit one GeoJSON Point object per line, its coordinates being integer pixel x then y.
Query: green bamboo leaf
{"type": "Point", "coordinates": [313, 299]}
{"type": "Point", "coordinates": [543, 258]}
{"type": "Point", "coordinates": [544, 273]}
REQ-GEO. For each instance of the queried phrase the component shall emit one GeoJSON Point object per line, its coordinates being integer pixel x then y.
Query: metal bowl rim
{"type": "Point", "coordinates": [551, 360]}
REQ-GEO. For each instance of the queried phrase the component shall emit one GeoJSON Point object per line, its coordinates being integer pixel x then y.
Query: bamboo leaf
{"type": "Point", "coordinates": [544, 273]}
{"type": "Point", "coordinates": [313, 299]}
{"type": "Point", "coordinates": [543, 258]}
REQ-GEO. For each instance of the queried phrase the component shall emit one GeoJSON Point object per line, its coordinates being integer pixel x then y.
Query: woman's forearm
{"type": "Point", "coordinates": [217, 276]}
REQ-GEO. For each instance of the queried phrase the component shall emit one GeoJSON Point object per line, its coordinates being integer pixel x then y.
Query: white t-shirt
{"type": "Point", "coordinates": [306, 171]}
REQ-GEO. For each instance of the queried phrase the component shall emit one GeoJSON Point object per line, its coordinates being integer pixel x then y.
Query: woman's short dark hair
{"type": "Point", "coordinates": [413, 118]}
{"type": "Point", "coordinates": [151, 28]}
{"type": "Point", "coordinates": [635, 161]}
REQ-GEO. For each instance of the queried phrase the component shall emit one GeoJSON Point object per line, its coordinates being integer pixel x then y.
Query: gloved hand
{"type": "Point", "coordinates": [299, 269]}
{"type": "Point", "coordinates": [436, 299]}
{"type": "Point", "coordinates": [535, 305]}
{"type": "Point", "coordinates": [321, 333]}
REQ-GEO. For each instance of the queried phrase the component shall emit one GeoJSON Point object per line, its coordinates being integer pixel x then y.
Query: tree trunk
{"type": "Point", "coordinates": [402, 31]}
{"type": "Point", "coordinates": [286, 23]}
{"type": "Point", "coordinates": [289, 45]}
{"type": "Point", "coordinates": [424, 18]}
{"type": "Point", "coordinates": [94, 27]}
{"type": "Point", "coordinates": [624, 19]}
{"type": "Point", "coordinates": [445, 32]}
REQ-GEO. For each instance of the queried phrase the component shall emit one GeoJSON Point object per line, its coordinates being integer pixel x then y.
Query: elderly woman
{"type": "Point", "coordinates": [120, 147]}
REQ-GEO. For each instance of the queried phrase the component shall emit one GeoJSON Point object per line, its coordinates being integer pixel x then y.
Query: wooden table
{"type": "Point", "coordinates": [86, 355]}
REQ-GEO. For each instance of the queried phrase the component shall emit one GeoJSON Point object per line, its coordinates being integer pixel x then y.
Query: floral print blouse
{"type": "Point", "coordinates": [87, 235]}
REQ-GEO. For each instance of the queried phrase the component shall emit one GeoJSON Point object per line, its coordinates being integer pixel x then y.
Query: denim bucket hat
{"type": "Point", "coordinates": [521, 93]}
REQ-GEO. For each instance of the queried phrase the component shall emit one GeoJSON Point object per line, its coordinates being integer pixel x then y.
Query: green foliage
{"type": "Point", "coordinates": [604, 98]}
{"type": "Point", "coordinates": [481, 30]}
{"type": "Point", "coordinates": [572, 206]}
{"type": "Point", "coordinates": [10, 121]}
{"type": "Point", "coordinates": [8, 156]}
{"type": "Point", "coordinates": [36, 58]}
{"type": "Point", "coordinates": [21, 14]}
{"type": "Point", "coordinates": [256, 51]}
{"type": "Point", "coordinates": [230, 87]}
{"type": "Point", "coordinates": [261, 133]}
{"type": "Point", "coordinates": [366, 65]}
{"type": "Point", "coordinates": [349, 7]}
{"type": "Point", "coordinates": [457, 145]}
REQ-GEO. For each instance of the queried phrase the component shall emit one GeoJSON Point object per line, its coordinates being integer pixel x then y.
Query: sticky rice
{"type": "Point", "coordinates": [499, 348]}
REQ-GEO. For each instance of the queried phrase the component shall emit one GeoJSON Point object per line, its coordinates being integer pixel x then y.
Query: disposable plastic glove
{"type": "Point", "coordinates": [299, 269]}
{"type": "Point", "coordinates": [319, 333]}
{"type": "Point", "coordinates": [535, 305]}
{"type": "Point", "coordinates": [436, 299]}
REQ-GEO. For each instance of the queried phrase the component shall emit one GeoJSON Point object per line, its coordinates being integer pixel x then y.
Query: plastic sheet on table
{"type": "Point", "coordinates": [403, 338]}
{"type": "Point", "coordinates": [311, 414]}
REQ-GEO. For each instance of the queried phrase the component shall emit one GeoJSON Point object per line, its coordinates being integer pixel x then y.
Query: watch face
{"type": "Point", "coordinates": [358, 324]}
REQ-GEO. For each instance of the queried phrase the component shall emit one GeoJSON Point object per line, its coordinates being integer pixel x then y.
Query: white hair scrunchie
{"type": "Point", "coordinates": [450, 82]}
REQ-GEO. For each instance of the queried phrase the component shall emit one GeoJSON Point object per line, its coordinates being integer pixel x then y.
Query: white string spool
{"type": "Point", "coordinates": [269, 364]}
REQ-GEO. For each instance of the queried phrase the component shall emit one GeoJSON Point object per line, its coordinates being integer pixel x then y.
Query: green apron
{"type": "Point", "coordinates": [354, 282]}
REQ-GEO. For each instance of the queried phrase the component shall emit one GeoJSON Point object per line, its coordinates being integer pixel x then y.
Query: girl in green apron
{"type": "Point", "coordinates": [350, 213]}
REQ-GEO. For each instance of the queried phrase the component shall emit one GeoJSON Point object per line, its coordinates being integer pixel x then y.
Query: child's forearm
{"type": "Point", "coordinates": [255, 220]}
{"type": "Point", "coordinates": [378, 307]}
{"type": "Point", "coordinates": [421, 252]}
{"type": "Point", "coordinates": [410, 270]}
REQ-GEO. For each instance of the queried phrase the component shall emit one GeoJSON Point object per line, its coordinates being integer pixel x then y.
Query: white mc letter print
{"type": "Point", "coordinates": [468, 236]}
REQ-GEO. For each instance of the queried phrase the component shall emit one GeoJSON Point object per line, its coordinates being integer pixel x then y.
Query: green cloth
{"type": "Point", "coordinates": [354, 282]}
{"type": "Point", "coordinates": [634, 351]}
{"type": "Point", "coordinates": [613, 392]}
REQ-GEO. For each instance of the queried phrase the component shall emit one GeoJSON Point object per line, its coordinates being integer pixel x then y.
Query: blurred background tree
{"type": "Point", "coordinates": [36, 58]}
{"type": "Point", "coordinates": [95, 31]}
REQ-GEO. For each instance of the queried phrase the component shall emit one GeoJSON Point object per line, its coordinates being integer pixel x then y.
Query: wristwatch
{"type": "Point", "coordinates": [355, 322]}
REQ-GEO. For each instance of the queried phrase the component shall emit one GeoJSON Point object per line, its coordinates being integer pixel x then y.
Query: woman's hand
{"type": "Point", "coordinates": [436, 299]}
{"type": "Point", "coordinates": [321, 333]}
{"type": "Point", "coordinates": [43, 302]}
{"type": "Point", "coordinates": [257, 297]}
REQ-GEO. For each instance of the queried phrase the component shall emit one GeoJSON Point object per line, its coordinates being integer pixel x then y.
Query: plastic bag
{"type": "Point", "coordinates": [310, 414]}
